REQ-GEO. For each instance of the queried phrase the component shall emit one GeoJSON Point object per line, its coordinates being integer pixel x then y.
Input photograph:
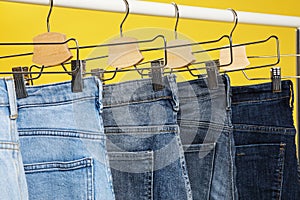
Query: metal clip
{"type": "Point", "coordinates": [212, 75]}
{"type": "Point", "coordinates": [98, 73]}
{"type": "Point", "coordinates": [217, 62]}
{"type": "Point", "coordinates": [157, 75]}
{"type": "Point", "coordinates": [19, 83]}
{"type": "Point", "coordinates": [77, 77]}
{"type": "Point", "coordinates": [276, 79]}
{"type": "Point", "coordinates": [26, 76]}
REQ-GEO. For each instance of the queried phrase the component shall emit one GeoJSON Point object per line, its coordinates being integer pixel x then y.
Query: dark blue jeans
{"type": "Point", "coordinates": [145, 151]}
{"type": "Point", "coordinates": [206, 133]}
{"type": "Point", "coordinates": [265, 142]}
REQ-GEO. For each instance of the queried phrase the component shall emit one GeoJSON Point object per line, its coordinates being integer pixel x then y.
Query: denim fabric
{"type": "Point", "coordinates": [63, 142]}
{"type": "Point", "coordinates": [12, 177]}
{"type": "Point", "coordinates": [265, 142]}
{"type": "Point", "coordinates": [145, 151]}
{"type": "Point", "coordinates": [206, 133]}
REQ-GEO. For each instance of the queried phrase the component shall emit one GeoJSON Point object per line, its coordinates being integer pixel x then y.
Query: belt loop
{"type": "Point", "coordinates": [228, 92]}
{"type": "Point", "coordinates": [100, 94]}
{"type": "Point", "coordinates": [11, 98]}
{"type": "Point", "coordinates": [291, 95]}
{"type": "Point", "coordinates": [174, 89]}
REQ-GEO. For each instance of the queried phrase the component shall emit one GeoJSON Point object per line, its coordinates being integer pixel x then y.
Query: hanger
{"type": "Point", "coordinates": [181, 56]}
{"type": "Point", "coordinates": [76, 65]}
{"type": "Point", "coordinates": [50, 55]}
{"type": "Point", "coordinates": [274, 71]}
{"type": "Point", "coordinates": [274, 37]}
{"type": "Point", "coordinates": [21, 73]}
{"type": "Point", "coordinates": [122, 56]}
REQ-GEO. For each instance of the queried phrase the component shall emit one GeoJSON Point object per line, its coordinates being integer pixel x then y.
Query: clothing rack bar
{"type": "Point", "coordinates": [167, 10]}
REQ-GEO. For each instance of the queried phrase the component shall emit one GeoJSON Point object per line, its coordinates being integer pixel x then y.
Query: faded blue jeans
{"type": "Point", "coordinates": [12, 177]}
{"type": "Point", "coordinates": [145, 151]}
{"type": "Point", "coordinates": [264, 134]}
{"type": "Point", "coordinates": [63, 143]}
{"type": "Point", "coordinates": [206, 133]}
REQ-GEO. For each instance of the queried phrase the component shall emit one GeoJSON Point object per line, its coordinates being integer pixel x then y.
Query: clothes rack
{"type": "Point", "coordinates": [188, 12]}
{"type": "Point", "coordinates": [167, 10]}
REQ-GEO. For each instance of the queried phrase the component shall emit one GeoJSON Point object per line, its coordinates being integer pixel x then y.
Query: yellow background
{"type": "Point", "coordinates": [21, 22]}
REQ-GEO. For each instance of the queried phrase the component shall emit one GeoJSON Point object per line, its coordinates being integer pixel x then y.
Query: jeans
{"type": "Point", "coordinates": [63, 142]}
{"type": "Point", "coordinates": [145, 151]}
{"type": "Point", "coordinates": [206, 133]}
{"type": "Point", "coordinates": [265, 142]}
{"type": "Point", "coordinates": [12, 177]}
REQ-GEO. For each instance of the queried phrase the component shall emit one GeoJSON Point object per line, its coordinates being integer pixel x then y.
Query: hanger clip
{"type": "Point", "coordinates": [20, 83]}
{"type": "Point", "coordinates": [98, 73]}
{"type": "Point", "coordinates": [26, 76]}
{"type": "Point", "coordinates": [77, 77]}
{"type": "Point", "coordinates": [276, 79]}
{"type": "Point", "coordinates": [212, 74]}
{"type": "Point", "coordinates": [157, 75]}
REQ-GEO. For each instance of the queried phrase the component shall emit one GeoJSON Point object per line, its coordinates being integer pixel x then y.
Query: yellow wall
{"type": "Point", "coordinates": [21, 22]}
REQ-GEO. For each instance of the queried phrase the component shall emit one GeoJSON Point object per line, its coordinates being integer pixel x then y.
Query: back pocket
{"type": "Point", "coordinates": [260, 171]}
{"type": "Point", "coordinates": [200, 164]}
{"type": "Point", "coordinates": [60, 180]}
{"type": "Point", "coordinates": [132, 174]}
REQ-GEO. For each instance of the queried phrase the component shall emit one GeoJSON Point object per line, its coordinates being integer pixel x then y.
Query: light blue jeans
{"type": "Point", "coordinates": [12, 177]}
{"type": "Point", "coordinates": [63, 143]}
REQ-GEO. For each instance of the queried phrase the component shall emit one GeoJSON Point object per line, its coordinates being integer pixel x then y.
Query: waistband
{"type": "Point", "coordinates": [61, 93]}
{"type": "Point", "coordinates": [200, 85]}
{"type": "Point", "coordinates": [142, 130]}
{"type": "Point", "coordinates": [265, 129]}
{"type": "Point", "coordinates": [199, 88]}
{"type": "Point", "coordinates": [261, 92]}
{"type": "Point", "coordinates": [139, 91]}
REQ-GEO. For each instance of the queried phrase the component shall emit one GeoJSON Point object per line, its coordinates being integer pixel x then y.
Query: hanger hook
{"type": "Point", "coordinates": [49, 14]}
{"type": "Point", "coordinates": [235, 19]}
{"type": "Point", "coordinates": [177, 18]}
{"type": "Point", "coordinates": [126, 15]}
